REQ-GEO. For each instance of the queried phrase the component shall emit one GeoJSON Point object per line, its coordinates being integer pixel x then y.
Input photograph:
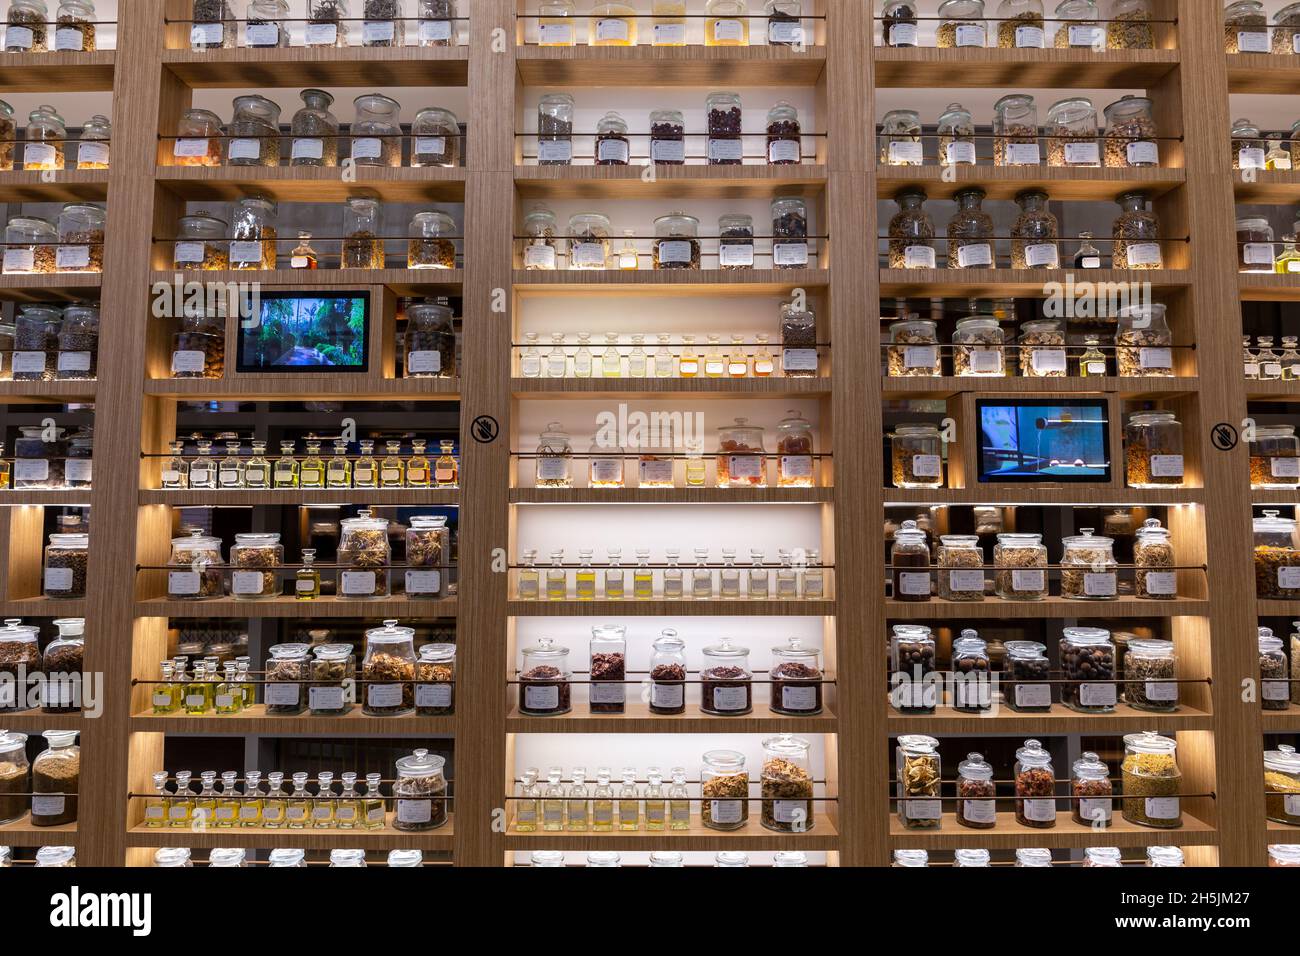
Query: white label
{"type": "Point", "coordinates": [177, 813]}
{"type": "Point", "coordinates": [1027, 37]}
{"type": "Point", "coordinates": [927, 466]}
{"type": "Point", "coordinates": [674, 250]}
{"type": "Point", "coordinates": [966, 580]}
{"type": "Point", "coordinates": [1085, 36]}
{"type": "Point", "coordinates": [1251, 157]}
{"type": "Point", "coordinates": [725, 149]}
{"type": "Point", "coordinates": [972, 256]}
{"type": "Point", "coordinates": [613, 30]}
{"type": "Point", "coordinates": [92, 154]}
{"type": "Point", "coordinates": [1143, 154]}
{"type": "Point", "coordinates": [1095, 368]}
{"type": "Point", "coordinates": [1033, 695]}
{"type": "Point", "coordinates": [784, 32]}
{"type": "Point", "coordinates": [905, 154]}
{"type": "Point", "coordinates": [1043, 361]}
{"type": "Point", "coordinates": [1099, 584]}
{"type": "Point", "coordinates": [72, 257]}
{"type": "Point", "coordinates": [552, 469]}
{"type": "Point", "coordinates": [189, 148]}
{"type": "Point", "coordinates": [1153, 357]}
{"type": "Point", "coordinates": [667, 151]}
{"type": "Point", "coordinates": [31, 469]}
{"type": "Point", "coordinates": [1040, 810]}
{"type": "Point", "coordinates": [188, 360]}
{"type": "Point", "coordinates": [726, 811]}
{"type": "Point", "coordinates": [384, 695]}
{"type": "Point", "coordinates": [1291, 803]}
{"type": "Point", "coordinates": [902, 34]}
{"type": "Point", "coordinates": [182, 583]}
{"type": "Point", "coordinates": [986, 361]}
{"type": "Point", "coordinates": [796, 466]}
{"type": "Point", "coordinates": [18, 38]}
{"type": "Point", "coordinates": [914, 582]}
{"type": "Point", "coordinates": [728, 30]}
{"type": "Point", "coordinates": [322, 33]}
{"type": "Point", "coordinates": [979, 811]}
{"type": "Point", "coordinates": [424, 361]}
{"type": "Point", "coordinates": [1257, 253]}
{"type": "Point", "coordinates": [431, 31]}
{"type": "Point", "coordinates": [246, 582]}
{"type": "Point", "coordinates": [1288, 578]}
{"type": "Point", "coordinates": [1032, 581]}
{"type": "Point", "coordinates": [1162, 808]}
{"type": "Point", "coordinates": [731, 254]}
{"type": "Point", "coordinates": [1082, 154]}
{"type": "Point", "coordinates": [730, 698]}
{"type": "Point", "coordinates": [607, 470]}
{"type": "Point", "coordinates": [47, 805]}
{"type": "Point", "coordinates": [162, 699]}
{"type": "Point", "coordinates": [304, 587]}
{"type": "Point", "coordinates": [920, 356]}
{"type": "Point", "coordinates": [784, 151]}
{"type": "Point", "coordinates": [194, 700]}
{"type": "Point", "coordinates": [923, 809]}
{"type": "Point", "coordinates": [20, 260]}
{"type": "Point", "coordinates": [1042, 254]}
{"type": "Point", "coordinates": [357, 582]}
{"type": "Point", "coordinates": [1097, 695]}
{"type": "Point", "coordinates": [58, 579]}
{"type": "Point", "coordinates": [789, 811]}
{"type": "Point", "coordinates": [606, 693]}
{"type": "Point", "coordinates": [78, 471]}
{"type": "Point", "coordinates": [798, 698]}
{"type": "Point", "coordinates": [325, 698]}
{"type": "Point", "coordinates": [308, 149]}
{"type": "Point", "coordinates": [1276, 690]}
{"type": "Point", "coordinates": [790, 253]}
{"type": "Point", "coordinates": [798, 360]}
{"type": "Point", "coordinates": [918, 257]}
{"type": "Point", "coordinates": [1166, 466]}
{"type": "Point", "coordinates": [1162, 582]}
{"type": "Point", "coordinates": [262, 34]}
{"type": "Point", "coordinates": [959, 153]}
{"type": "Point", "coordinates": [1161, 690]}
{"type": "Point", "coordinates": [587, 254]}
{"type": "Point", "coordinates": [207, 34]}
{"type": "Point", "coordinates": [1022, 154]}
{"type": "Point", "coordinates": [554, 150]}
{"type": "Point", "coordinates": [248, 813]}
{"type": "Point", "coordinates": [541, 698]}
{"type": "Point", "coordinates": [68, 39]}
{"type": "Point", "coordinates": [375, 31]}
{"type": "Point", "coordinates": [433, 695]}
{"type": "Point", "coordinates": [434, 145]}
{"type": "Point", "coordinates": [246, 250]}
{"type": "Point", "coordinates": [667, 696]}
{"type": "Point", "coordinates": [539, 256]}
{"type": "Point", "coordinates": [245, 149]}
{"type": "Point", "coordinates": [1095, 808]}
{"type": "Point", "coordinates": [414, 811]}
{"type": "Point", "coordinates": [423, 582]}
{"type": "Point", "coordinates": [367, 147]}
{"type": "Point", "coordinates": [187, 252]}
{"type": "Point", "coordinates": [1251, 41]}
{"type": "Point", "coordinates": [745, 466]}
{"type": "Point", "coordinates": [1143, 254]}
{"type": "Point", "coordinates": [969, 35]}
{"type": "Point", "coordinates": [1284, 467]}
{"type": "Point", "coordinates": [555, 33]}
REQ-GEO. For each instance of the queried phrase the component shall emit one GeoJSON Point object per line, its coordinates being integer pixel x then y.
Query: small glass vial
{"type": "Point", "coordinates": [528, 806]}
{"type": "Point", "coordinates": [306, 585]}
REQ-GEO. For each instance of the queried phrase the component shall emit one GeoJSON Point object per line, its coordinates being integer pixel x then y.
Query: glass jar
{"type": "Point", "coordinates": [919, 775]}
{"type": "Point", "coordinates": [784, 143]}
{"type": "Point", "coordinates": [789, 233]}
{"type": "Point", "coordinates": [971, 670]}
{"type": "Point", "coordinates": [78, 344]}
{"type": "Point", "coordinates": [1284, 854]}
{"type": "Point", "coordinates": [1153, 554]}
{"type": "Point", "coordinates": [1245, 27]}
{"type": "Point", "coordinates": [1143, 342]}
{"type": "Point", "coordinates": [254, 558]}
{"type": "Point", "coordinates": [1027, 675]}
{"type": "Point", "coordinates": [27, 30]}
{"type": "Point", "coordinates": [794, 448]}
{"type": "Point", "coordinates": [1247, 145]}
{"type": "Point", "coordinates": [429, 343]}
{"type": "Point", "coordinates": [40, 463]}
{"type": "Point", "coordinates": [388, 671]}
{"type": "Point", "coordinates": [1079, 26]}
{"type": "Point", "coordinates": [555, 130]}
{"type": "Point", "coordinates": [1151, 781]}
{"type": "Point", "coordinates": [45, 139]}
{"type": "Point", "coordinates": [1254, 245]}
{"type": "Point", "coordinates": [200, 554]}
{"type": "Point", "coordinates": [554, 463]}
{"type": "Point", "coordinates": [1153, 450]}
{"type": "Point", "coordinates": [93, 146]}
{"type": "Point", "coordinates": [1021, 561]}
{"type": "Point", "coordinates": [214, 26]}
{"type": "Point", "coordinates": [1129, 25]}
{"type": "Point", "coordinates": [910, 557]}
{"type": "Point", "coordinates": [364, 555]}
{"type": "Point", "coordinates": [724, 789]}
{"type": "Point", "coordinates": [436, 135]}
{"type": "Point", "coordinates": [667, 138]}
{"type": "Point", "coordinates": [428, 246]}
{"type": "Point", "coordinates": [201, 243]}
{"type": "Point", "coordinates": [1015, 131]}
{"type": "Point", "coordinates": [1035, 786]}
{"type": "Point", "coordinates": [612, 148]}
{"type": "Point", "coordinates": [735, 241]}
{"type": "Point", "coordinates": [911, 232]}
{"type": "Point", "coordinates": [253, 234]}
{"type": "Point", "coordinates": [78, 469]}
{"type": "Point", "coordinates": [267, 24]}
{"type": "Point", "coordinates": [435, 675]}
{"type": "Point", "coordinates": [588, 240]}
{"type": "Point", "coordinates": [363, 245]}
{"type": "Point", "coordinates": [428, 551]}
{"type": "Point", "coordinates": [961, 24]}
{"type": "Point", "coordinates": [1272, 671]}
{"type": "Point", "coordinates": [726, 23]}
{"type": "Point", "coordinates": [382, 23]}
{"type": "Point", "coordinates": [35, 341]}
{"type": "Point", "coordinates": [970, 236]}
{"type": "Point", "coordinates": [976, 806]}
{"type": "Point", "coordinates": [1020, 25]}
{"type": "Point", "coordinates": [796, 679]}
{"type": "Point", "coordinates": [1274, 457]}
{"type": "Point", "coordinates": [913, 348]}
{"type": "Point", "coordinates": [420, 792]}
{"type": "Point", "coordinates": [15, 775]}
{"type": "Point", "coordinates": [198, 139]}
{"type": "Point", "coordinates": [8, 136]}
{"type": "Point", "coordinates": [741, 461]}
{"type": "Point", "coordinates": [56, 780]}
{"type": "Point", "coordinates": [784, 23]}
{"type": "Point", "coordinates": [1071, 133]}
{"type": "Point", "coordinates": [65, 566]}
{"type": "Point", "coordinates": [1277, 558]}
{"type": "Point", "coordinates": [254, 132]}
{"type": "Point", "coordinates": [977, 347]}
{"type": "Point", "coordinates": [786, 785]}
{"type": "Point", "coordinates": [1088, 567]}
{"type": "Point", "coordinates": [315, 131]}
{"type": "Point", "coordinates": [961, 564]}
{"type": "Point", "coordinates": [912, 660]}
{"type": "Point", "coordinates": [1130, 134]}
{"type": "Point", "coordinates": [1136, 232]}
{"type": "Point", "coordinates": [20, 654]}
{"type": "Point", "coordinates": [1034, 234]}
{"type": "Point", "coordinates": [898, 23]}
{"type": "Point", "coordinates": [333, 676]}
{"type": "Point", "coordinates": [676, 245]}
{"type": "Point", "coordinates": [799, 356]}
{"type": "Point", "coordinates": [1150, 678]}
{"type": "Point", "coordinates": [30, 246]}
{"type": "Point", "coordinates": [726, 682]}
{"type": "Point", "coordinates": [377, 131]}
{"type": "Point", "coordinates": [555, 26]}
{"type": "Point", "coordinates": [436, 25]}
{"type": "Point", "coordinates": [668, 674]}
{"type": "Point", "coordinates": [544, 680]}
{"type": "Point", "coordinates": [725, 147]}
{"type": "Point", "coordinates": [540, 244]}
{"type": "Point", "coordinates": [607, 669]}
{"type": "Point", "coordinates": [1091, 790]}
{"type": "Point", "coordinates": [198, 348]}
{"type": "Point", "coordinates": [1286, 30]}
{"type": "Point", "coordinates": [1042, 349]}
{"type": "Point", "coordinates": [1088, 666]}
{"type": "Point", "coordinates": [956, 136]}
{"type": "Point", "coordinates": [327, 23]}
{"type": "Point", "coordinates": [1282, 785]}
{"type": "Point", "coordinates": [900, 139]}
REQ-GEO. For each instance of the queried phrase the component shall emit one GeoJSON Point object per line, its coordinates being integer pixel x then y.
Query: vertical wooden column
{"type": "Point", "coordinates": [485, 391]}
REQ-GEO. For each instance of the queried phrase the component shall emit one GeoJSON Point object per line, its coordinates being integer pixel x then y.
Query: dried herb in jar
{"type": "Point", "coordinates": [784, 783]}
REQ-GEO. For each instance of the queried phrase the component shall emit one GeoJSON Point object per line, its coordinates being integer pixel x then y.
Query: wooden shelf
{"type": "Point", "coordinates": [1274, 607]}
{"type": "Point", "coordinates": [300, 496]}
{"type": "Point", "coordinates": [304, 387]}
{"type": "Point", "coordinates": [684, 182]}
{"type": "Point", "coordinates": [401, 281]}
{"type": "Point", "coordinates": [1055, 607]}
{"type": "Point", "coordinates": [59, 72]}
{"type": "Point", "coordinates": [1263, 73]}
{"type": "Point", "coordinates": [322, 607]}
{"type": "Point", "coordinates": [1268, 287]}
{"type": "Point", "coordinates": [1272, 391]}
{"type": "Point", "coordinates": [671, 281]}
{"type": "Point", "coordinates": [308, 184]}
{"type": "Point", "coordinates": [752, 836]}
{"type": "Point", "coordinates": [21, 832]}
{"type": "Point", "coordinates": [639, 720]}
{"type": "Point", "coordinates": [1008, 834]}
{"type": "Point", "coordinates": [1060, 720]}
{"type": "Point", "coordinates": [45, 287]}
{"type": "Point", "coordinates": [1004, 182]}
{"type": "Point", "coordinates": [586, 389]}
{"type": "Point", "coordinates": [255, 720]}
{"type": "Point", "coordinates": [43, 607]}
{"type": "Point", "coordinates": [915, 67]}
{"type": "Point", "coordinates": [69, 185]}
{"type": "Point", "coordinates": [662, 608]}
{"type": "Point", "coordinates": [23, 496]}
{"type": "Point", "coordinates": [669, 66]}
{"type": "Point", "coordinates": [36, 721]}
{"type": "Point", "coordinates": [1012, 282]}
{"type": "Point", "coordinates": [948, 386]}
{"type": "Point", "coordinates": [256, 838]}
{"type": "Point", "coordinates": [669, 495]}
{"type": "Point", "coordinates": [1269, 186]}
{"type": "Point", "coordinates": [369, 67]}
{"type": "Point", "coordinates": [1062, 496]}
{"type": "Point", "coordinates": [1281, 721]}
{"type": "Point", "coordinates": [1274, 496]}
{"type": "Point", "coordinates": [45, 393]}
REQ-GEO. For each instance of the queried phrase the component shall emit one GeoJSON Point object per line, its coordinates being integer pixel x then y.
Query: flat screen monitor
{"type": "Point", "coordinates": [1043, 440]}
{"type": "Point", "coordinates": [306, 332]}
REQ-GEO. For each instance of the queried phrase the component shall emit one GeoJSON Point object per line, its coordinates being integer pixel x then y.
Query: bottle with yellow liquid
{"type": "Point", "coordinates": [338, 471]}
{"type": "Point", "coordinates": [629, 801]}
{"type": "Point", "coordinates": [198, 691]}
{"type": "Point", "coordinates": [553, 801]}
{"type": "Point", "coordinates": [275, 805]}
{"type": "Point", "coordinates": [585, 578]}
{"type": "Point", "coordinates": [298, 807]}
{"type": "Point", "coordinates": [155, 807]}
{"type": "Point", "coordinates": [227, 814]}
{"type": "Point", "coordinates": [528, 804]}
{"type": "Point", "coordinates": [347, 809]}
{"type": "Point", "coordinates": [418, 471]}
{"type": "Point", "coordinates": [372, 807]}
{"type": "Point", "coordinates": [669, 25]}
{"type": "Point", "coordinates": [643, 576]}
{"type": "Point", "coordinates": [688, 363]}
{"type": "Point", "coordinates": [306, 580]}
{"type": "Point", "coordinates": [365, 470]}
{"type": "Point", "coordinates": [392, 468]}
{"type": "Point", "coordinates": [529, 577]}
{"type": "Point", "coordinates": [284, 473]}
{"type": "Point", "coordinates": [727, 23]}
{"type": "Point", "coordinates": [167, 695]}
{"type": "Point", "coordinates": [446, 469]}
{"type": "Point", "coordinates": [557, 578]}
{"type": "Point", "coordinates": [229, 696]}
{"type": "Point", "coordinates": [679, 802]}
{"type": "Point", "coordinates": [205, 805]}
{"type": "Point", "coordinates": [247, 689]}
{"type": "Point", "coordinates": [311, 471]}
{"type": "Point", "coordinates": [322, 808]}
{"type": "Point", "coordinates": [250, 804]}
{"type": "Point", "coordinates": [612, 24]}
{"type": "Point", "coordinates": [180, 809]}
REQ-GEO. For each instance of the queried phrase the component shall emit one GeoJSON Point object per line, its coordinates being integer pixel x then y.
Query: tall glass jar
{"type": "Point", "coordinates": [435, 675]}
{"type": "Point", "coordinates": [1151, 781]}
{"type": "Point", "coordinates": [253, 233]}
{"type": "Point", "coordinates": [254, 558]}
{"type": "Point", "coordinates": [420, 793]}
{"type": "Point", "coordinates": [201, 243]}
{"type": "Point", "coordinates": [28, 27]}
{"type": "Point", "coordinates": [20, 654]}
{"type": "Point", "coordinates": [607, 669]}
{"type": "Point", "coordinates": [1015, 131]}
{"type": "Point", "coordinates": [794, 447]}
{"type": "Point", "coordinates": [65, 565]}
{"type": "Point", "coordinates": [668, 674]}
{"type": "Point", "coordinates": [741, 461]}
{"type": "Point", "coordinates": [1272, 671]}
{"type": "Point", "coordinates": [200, 557]}
{"type": "Point", "coordinates": [254, 132]}
{"type": "Point", "coordinates": [726, 23]}
{"type": "Point", "coordinates": [900, 139]}
{"type": "Point", "coordinates": [588, 240]}
{"type": "Point", "coordinates": [1130, 134]}
{"type": "Point", "coordinates": [198, 348]}
{"type": "Point", "coordinates": [555, 129]}
{"type": "Point", "coordinates": [363, 245]}
{"type": "Point", "coordinates": [8, 131]}
{"type": "Point", "coordinates": [15, 776]}
{"type": "Point", "coordinates": [81, 238]}
{"type": "Point", "coordinates": [1035, 233]}
{"type": "Point", "coordinates": [377, 131]}
{"type": "Point", "coordinates": [970, 233]}
{"type": "Point", "coordinates": [315, 131]}
{"type": "Point", "coordinates": [1020, 24]}
{"type": "Point", "coordinates": [56, 780]}
{"type": "Point", "coordinates": [724, 789]}
{"type": "Point", "coordinates": [911, 232]}
{"type": "Point", "coordinates": [327, 23]}
{"type": "Point", "coordinates": [795, 675]}
{"type": "Point", "coordinates": [436, 138]}
{"type": "Point", "coordinates": [1027, 677]}
{"type": "Point", "coordinates": [1277, 557]}
{"type": "Point", "coordinates": [789, 233]}
{"type": "Point", "coordinates": [961, 24]}
{"type": "Point", "coordinates": [971, 670]}
{"type": "Point", "coordinates": [544, 680]}
{"type": "Point", "coordinates": [45, 140]}
{"type": "Point", "coordinates": [911, 662]}
{"type": "Point", "coordinates": [1286, 30]}
{"type": "Point", "coordinates": [540, 242]}
{"type": "Point", "coordinates": [910, 557]}
{"type": "Point", "coordinates": [288, 669]}
{"type": "Point", "coordinates": [677, 244]}
{"type": "Point", "coordinates": [612, 148]}
{"type": "Point", "coordinates": [1143, 342]}
{"type": "Point", "coordinates": [1071, 132]}
{"type": "Point", "coordinates": [961, 575]}
{"type": "Point", "coordinates": [1136, 232]}
{"type": "Point", "coordinates": [93, 146]}
{"type": "Point", "coordinates": [783, 135]}
{"type": "Point", "coordinates": [39, 458]}
{"type": "Point", "coordinates": [956, 136]}
{"type": "Point", "coordinates": [436, 25]}
{"type": "Point", "coordinates": [388, 671]}
{"type": "Point", "coordinates": [1153, 553]}
{"type": "Point", "coordinates": [34, 340]}
{"type": "Point", "coordinates": [1088, 665]}
{"type": "Point", "coordinates": [786, 785]}
{"type": "Point", "coordinates": [976, 806]}
{"type": "Point", "coordinates": [735, 241]}
{"type": "Point", "coordinates": [1088, 567]}
{"type": "Point", "coordinates": [1150, 675]}
{"type": "Point", "coordinates": [554, 463]}
{"type": "Point", "coordinates": [428, 552]}
{"type": "Point", "coordinates": [799, 355]}
{"type": "Point", "coordinates": [918, 771]}
{"type": "Point", "coordinates": [429, 342]}
{"type": "Point", "coordinates": [1035, 786]}
{"type": "Point", "coordinates": [364, 555]}
{"type": "Point", "coordinates": [1247, 145]}
{"type": "Point", "coordinates": [1274, 457]}
{"type": "Point", "coordinates": [725, 147]}
{"type": "Point", "coordinates": [726, 682]}
{"type": "Point", "coordinates": [1245, 27]}
{"type": "Point", "coordinates": [267, 24]}
{"type": "Point", "coordinates": [429, 245]}
{"type": "Point", "coordinates": [333, 675]}
{"type": "Point", "coordinates": [198, 139]}
{"type": "Point", "coordinates": [1091, 790]}
{"type": "Point", "coordinates": [382, 23]}
{"type": "Point", "coordinates": [1153, 450]}
{"type": "Point", "coordinates": [667, 138]}
{"type": "Point", "coordinates": [214, 26]}
{"type": "Point", "coordinates": [978, 347]}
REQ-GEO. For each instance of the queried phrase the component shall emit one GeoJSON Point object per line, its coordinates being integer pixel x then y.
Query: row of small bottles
{"type": "Point", "coordinates": [280, 858]}
{"type": "Point", "coordinates": [799, 575]}
{"type": "Point", "coordinates": [201, 691]}
{"type": "Point", "coordinates": [1266, 364]}
{"type": "Point", "coordinates": [604, 805]}
{"type": "Point", "coordinates": [665, 360]}
{"type": "Point", "coordinates": [1093, 856]}
{"type": "Point", "coordinates": [394, 469]}
{"type": "Point", "coordinates": [270, 809]}
{"type": "Point", "coordinates": [665, 858]}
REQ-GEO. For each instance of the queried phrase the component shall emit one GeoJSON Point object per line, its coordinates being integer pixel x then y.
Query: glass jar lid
{"type": "Point", "coordinates": [975, 767]}
{"type": "Point", "coordinates": [1284, 759]}
{"type": "Point", "coordinates": [1150, 647]}
{"type": "Point", "coordinates": [1086, 635]}
{"type": "Point", "coordinates": [437, 653]}
{"type": "Point", "coordinates": [918, 743]}
{"type": "Point", "coordinates": [727, 761]}
{"type": "Point", "coordinates": [546, 649]}
{"type": "Point", "coordinates": [1271, 522]}
{"type": "Point", "coordinates": [794, 649]}
{"type": "Point", "coordinates": [909, 534]}
{"type": "Point", "coordinates": [1032, 754]}
{"type": "Point", "coordinates": [289, 651]}
{"type": "Point", "coordinates": [668, 642]}
{"type": "Point", "coordinates": [389, 633]}
{"type": "Point", "coordinates": [286, 856]}
{"type": "Point", "coordinates": [611, 122]}
{"type": "Point", "coordinates": [1020, 539]}
{"type": "Point", "coordinates": [363, 521]}
{"type": "Point", "coordinates": [1086, 539]}
{"type": "Point", "coordinates": [1090, 767]}
{"type": "Point", "coordinates": [171, 856]}
{"type": "Point", "coordinates": [787, 745]}
{"type": "Point", "coordinates": [726, 649]}
{"type": "Point", "coordinates": [332, 652]}
{"type": "Point", "coordinates": [1150, 742]}
{"type": "Point", "coordinates": [1071, 110]}
{"type": "Point", "coordinates": [73, 540]}
{"type": "Point", "coordinates": [959, 540]}
{"type": "Point", "coordinates": [1267, 642]}
{"type": "Point", "coordinates": [11, 740]}
{"type": "Point", "coordinates": [196, 540]}
{"type": "Point", "coordinates": [676, 224]}
{"type": "Point", "coordinates": [405, 858]}
{"type": "Point", "coordinates": [420, 763]}
{"type": "Point", "coordinates": [1025, 650]}
{"type": "Point", "coordinates": [911, 858]}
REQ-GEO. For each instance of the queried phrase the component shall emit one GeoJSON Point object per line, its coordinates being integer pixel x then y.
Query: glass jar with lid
{"type": "Point", "coordinates": [1245, 27]}
{"type": "Point", "coordinates": [913, 348]}
{"type": "Point", "coordinates": [723, 115]}
{"type": "Point", "coordinates": [976, 806]}
{"type": "Point", "coordinates": [1274, 457]}
{"type": "Point", "coordinates": [428, 246]}
{"type": "Point", "coordinates": [56, 780]}
{"type": "Point", "coordinates": [39, 457]}
{"type": "Point", "coordinates": [911, 858]}
{"type": "Point", "coordinates": [199, 139]}
{"type": "Point", "coordinates": [911, 232]}
{"type": "Point", "coordinates": [786, 785]}
{"type": "Point", "coordinates": [78, 343]}
{"type": "Point", "coordinates": [1151, 781]}
{"type": "Point", "coordinates": [555, 23]}
{"type": "Point", "coordinates": [200, 557]}
{"type": "Point", "coordinates": [1277, 557]}
{"type": "Point", "coordinates": [333, 677]}
{"type": "Point", "coordinates": [741, 461]}
{"type": "Point", "coordinates": [327, 23]}
{"type": "Point", "coordinates": [607, 669]}
{"type": "Point", "coordinates": [1015, 131]}
{"type": "Point", "coordinates": [1035, 781]}
{"type": "Point", "coordinates": [15, 773]}
{"type": "Point", "coordinates": [1088, 567]}
{"type": "Point", "coordinates": [918, 772]}
{"type": "Point", "coordinates": [20, 664]}
{"type": "Point", "coordinates": [677, 244]}
{"type": "Point", "coordinates": [668, 674]}
{"type": "Point", "coordinates": [1282, 785]}
{"type": "Point", "coordinates": [588, 240]}
{"type": "Point", "coordinates": [267, 24]}
{"type": "Point", "coordinates": [794, 448]}
{"type": "Point", "coordinates": [363, 244]}
{"type": "Point", "coordinates": [956, 130]}
{"type": "Point", "coordinates": [1136, 232]}
{"type": "Point", "coordinates": [93, 146]}
{"type": "Point", "coordinates": [1035, 233]}
{"type": "Point", "coordinates": [540, 242]}
{"type": "Point", "coordinates": [555, 129]}
{"type": "Point", "coordinates": [795, 679]}
{"type": "Point", "coordinates": [388, 671]}
{"type": "Point", "coordinates": [978, 347]}
{"type": "Point", "coordinates": [789, 233]}
{"type": "Point", "coordinates": [726, 23]}
{"type": "Point", "coordinates": [1286, 30]}
{"type": "Point", "coordinates": [667, 138]}
{"type": "Point", "coordinates": [785, 23]}
{"type": "Point", "coordinates": [45, 138]}
{"type": "Point", "coordinates": [253, 233]}
{"type": "Point", "coordinates": [1020, 24]}
{"type": "Point", "coordinates": [784, 144]}
{"type": "Point", "coordinates": [1284, 854]}
{"type": "Point", "coordinates": [961, 23]}
{"type": "Point", "coordinates": [911, 662]}
{"type": "Point", "coordinates": [27, 30]}
{"type": "Point", "coordinates": [214, 26]}
{"type": "Point", "coordinates": [1091, 791]}
{"type": "Point", "coordinates": [1129, 25]}
{"type": "Point", "coordinates": [435, 138]}
{"type": "Point", "coordinates": [1071, 132]}
{"type": "Point", "coordinates": [8, 136]}
{"type": "Point", "coordinates": [35, 341]}
{"type": "Point", "coordinates": [428, 552]}
{"type": "Point", "coordinates": [1026, 677]}
{"type": "Point", "coordinates": [1079, 26]}
{"type": "Point", "coordinates": [1247, 145]}
{"type": "Point", "coordinates": [899, 23]}
{"type": "Point", "coordinates": [799, 355]}
{"type": "Point", "coordinates": [971, 673]}
{"type": "Point", "coordinates": [1143, 342]}
{"type": "Point", "coordinates": [1255, 251]}
{"type": "Point", "coordinates": [724, 789]}
{"type": "Point", "coordinates": [198, 348]}
{"type": "Point", "coordinates": [970, 234]}
{"type": "Point", "coordinates": [377, 131]}
{"type": "Point", "coordinates": [435, 676]}
{"type": "Point", "coordinates": [961, 564]}
{"type": "Point", "coordinates": [1150, 675]}
{"type": "Point", "coordinates": [1153, 450]}
{"type": "Point", "coordinates": [382, 24]}
{"type": "Point", "coordinates": [201, 243]}
{"type": "Point", "coordinates": [1272, 671]}
{"type": "Point", "coordinates": [910, 557]}
{"type": "Point", "coordinates": [254, 132]}
{"type": "Point", "coordinates": [605, 464]}
{"type": "Point", "coordinates": [1088, 666]}
{"type": "Point", "coordinates": [315, 131]}
{"type": "Point", "coordinates": [429, 342]}
{"type": "Point", "coordinates": [30, 246]}
{"type": "Point", "coordinates": [544, 679]}
{"type": "Point", "coordinates": [1130, 134]}
{"type": "Point", "coordinates": [612, 148]}
{"type": "Point", "coordinates": [726, 682]}
{"type": "Point", "coordinates": [1153, 554]}
{"type": "Point", "coordinates": [254, 558]}
{"type": "Point", "coordinates": [554, 462]}
{"type": "Point", "coordinates": [1021, 561]}
{"type": "Point", "coordinates": [65, 565]}
{"type": "Point", "coordinates": [79, 466]}
{"type": "Point", "coordinates": [735, 241]}
{"type": "Point", "coordinates": [364, 555]}
{"type": "Point", "coordinates": [900, 139]}
{"type": "Point", "coordinates": [420, 793]}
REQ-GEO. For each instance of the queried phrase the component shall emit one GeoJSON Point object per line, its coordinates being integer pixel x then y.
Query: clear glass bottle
{"type": "Point", "coordinates": [529, 579]}
{"type": "Point", "coordinates": [322, 808]}
{"type": "Point", "coordinates": [204, 814]}
{"type": "Point", "coordinates": [347, 808]}
{"type": "Point", "coordinates": [629, 801]}
{"type": "Point", "coordinates": [274, 804]}
{"type": "Point", "coordinates": [306, 586]}
{"type": "Point", "coordinates": [298, 805]}
{"type": "Point", "coordinates": [553, 801]}
{"type": "Point", "coordinates": [729, 576]}
{"type": "Point", "coordinates": [726, 23]}
{"type": "Point", "coordinates": [557, 359]}
{"type": "Point", "coordinates": [910, 560]}
{"type": "Point", "coordinates": [374, 808]}
{"type": "Point", "coordinates": [615, 578]}
{"type": "Point", "coordinates": [180, 809]}
{"type": "Point", "coordinates": [585, 809]}
{"type": "Point", "coordinates": [679, 803]}
{"type": "Point", "coordinates": [674, 588]}
{"type": "Point", "coordinates": [528, 806]}
{"type": "Point", "coordinates": [643, 576]}
{"type": "Point", "coordinates": [155, 807]}
{"type": "Point", "coordinates": [311, 470]}
{"type": "Point", "coordinates": [257, 470]}
{"type": "Point", "coordinates": [229, 697]}
{"type": "Point", "coordinates": [701, 576]}
{"type": "Point", "coordinates": [557, 578]}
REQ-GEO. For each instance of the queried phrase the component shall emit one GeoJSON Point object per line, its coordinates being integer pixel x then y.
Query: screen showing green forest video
{"type": "Point", "coordinates": [307, 332]}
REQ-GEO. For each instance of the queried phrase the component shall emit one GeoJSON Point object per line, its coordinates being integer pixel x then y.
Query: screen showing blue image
{"type": "Point", "coordinates": [1042, 440]}
{"type": "Point", "coordinates": [306, 332]}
